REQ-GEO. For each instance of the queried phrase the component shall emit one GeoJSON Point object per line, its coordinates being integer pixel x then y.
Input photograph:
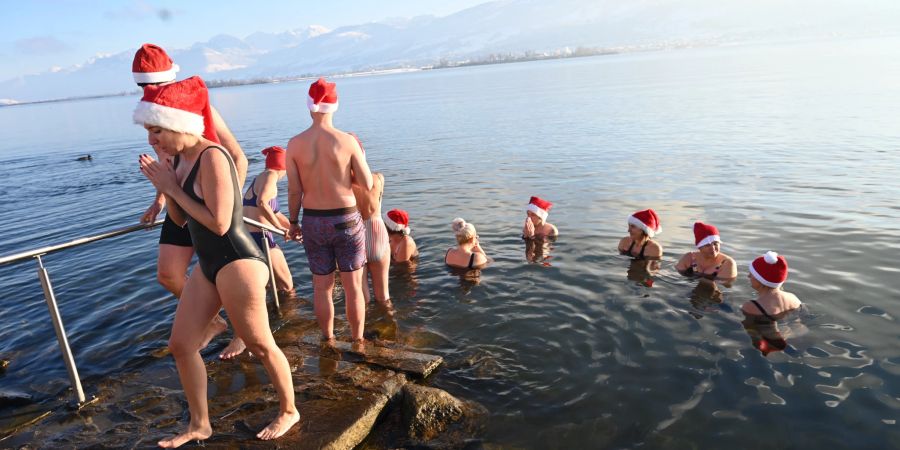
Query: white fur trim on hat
{"type": "Point", "coordinates": [156, 77]}
{"type": "Point", "coordinates": [394, 226]}
{"type": "Point", "coordinates": [762, 280]}
{"type": "Point", "coordinates": [637, 222]}
{"type": "Point", "coordinates": [325, 108]}
{"type": "Point", "coordinates": [540, 212]}
{"type": "Point", "coordinates": [169, 118]}
{"type": "Point", "coordinates": [709, 240]}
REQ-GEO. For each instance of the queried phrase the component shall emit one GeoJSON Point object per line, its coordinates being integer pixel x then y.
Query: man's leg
{"type": "Point", "coordinates": [323, 287]}
{"type": "Point", "coordinates": [355, 304]}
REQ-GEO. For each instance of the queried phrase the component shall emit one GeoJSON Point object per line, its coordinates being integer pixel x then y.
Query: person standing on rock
{"type": "Point", "coordinates": [322, 162]}
{"type": "Point", "coordinates": [378, 251]}
{"type": "Point", "coordinates": [203, 192]}
{"type": "Point", "coordinates": [152, 66]}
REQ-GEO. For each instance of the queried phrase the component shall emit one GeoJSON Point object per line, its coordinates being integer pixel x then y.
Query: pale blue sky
{"type": "Point", "coordinates": [41, 34]}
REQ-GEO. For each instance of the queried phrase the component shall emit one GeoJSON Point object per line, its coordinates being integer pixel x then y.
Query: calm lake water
{"type": "Point", "coordinates": [791, 147]}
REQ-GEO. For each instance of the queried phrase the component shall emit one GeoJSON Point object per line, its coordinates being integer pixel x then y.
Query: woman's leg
{"type": "Point", "coordinates": [171, 272]}
{"type": "Point", "coordinates": [283, 279]}
{"type": "Point", "coordinates": [242, 288]}
{"type": "Point", "coordinates": [171, 267]}
{"type": "Point", "coordinates": [198, 305]}
{"type": "Point", "coordinates": [379, 270]}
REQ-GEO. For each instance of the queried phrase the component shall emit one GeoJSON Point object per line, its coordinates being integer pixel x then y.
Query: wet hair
{"type": "Point", "coordinates": [465, 232]}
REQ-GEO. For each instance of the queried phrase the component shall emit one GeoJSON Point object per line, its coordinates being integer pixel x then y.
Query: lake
{"type": "Point", "coordinates": [791, 147]}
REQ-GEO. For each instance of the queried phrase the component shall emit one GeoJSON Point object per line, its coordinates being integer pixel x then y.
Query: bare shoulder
{"type": "Point", "coordinates": [552, 230]}
{"type": "Point", "coordinates": [791, 300]}
{"type": "Point", "coordinates": [654, 248]}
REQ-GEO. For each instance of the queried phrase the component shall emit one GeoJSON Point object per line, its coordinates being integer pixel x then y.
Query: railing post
{"type": "Point", "coordinates": [265, 241]}
{"type": "Point", "coordinates": [60, 330]}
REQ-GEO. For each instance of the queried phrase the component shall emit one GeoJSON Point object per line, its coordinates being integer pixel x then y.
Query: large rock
{"type": "Point", "coordinates": [433, 418]}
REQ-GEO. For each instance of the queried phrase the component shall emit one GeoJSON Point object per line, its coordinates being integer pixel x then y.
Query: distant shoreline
{"type": "Point", "coordinates": [491, 59]}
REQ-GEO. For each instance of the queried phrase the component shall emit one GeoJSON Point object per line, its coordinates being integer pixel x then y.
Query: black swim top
{"type": "Point", "coordinates": [213, 251]}
{"type": "Point", "coordinates": [641, 254]}
{"type": "Point", "coordinates": [762, 310]}
{"type": "Point", "coordinates": [693, 269]}
{"type": "Point", "coordinates": [471, 260]}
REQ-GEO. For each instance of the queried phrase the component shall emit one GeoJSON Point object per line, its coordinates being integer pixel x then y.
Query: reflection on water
{"type": "Point", "coordinates": [773, 142]}
{"type": "Point", "coordinates": [537, 250]}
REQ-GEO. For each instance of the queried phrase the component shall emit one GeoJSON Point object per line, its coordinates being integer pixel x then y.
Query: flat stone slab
{"type": "Point", "coordinates": [405, 361]}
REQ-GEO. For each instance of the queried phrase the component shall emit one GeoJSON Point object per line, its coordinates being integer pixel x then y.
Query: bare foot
{"type": "Point", "coordinates": [235, 347]}
{"type": "Point", "coordinates": [216, 326]}
{"type": "Point", "coordinates": [279, 426]}
{"type": "Point", "coordinates": [192, 434]}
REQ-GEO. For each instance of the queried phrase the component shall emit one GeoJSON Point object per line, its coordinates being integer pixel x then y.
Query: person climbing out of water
{"type": "Point", "coordinates": [403, 247]}
{"type": "Point", "coordinates": [468, 253]}
{"type": "Point", "coordinates": [322, 161]}
{"type": "Point", "coordinates": [152, 66]}
{"type": "Point", "coordinates": [203, 191]}
{"type": "Point", "coordinates": [378, 251]}
{"type": "Point", "coordinates": [707, 261]}
{"type": "Point", "coordinates": [639, 244]}
{"type": "Point", "coordinates": [536, 225]}
{"type": "Point", "coordinates": [767, 274]}
{"type": "Point", "coordinates": [261, 204]}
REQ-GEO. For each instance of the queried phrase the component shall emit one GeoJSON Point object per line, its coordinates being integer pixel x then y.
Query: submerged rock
{"type": "Point", "coordinates": [434, 418]}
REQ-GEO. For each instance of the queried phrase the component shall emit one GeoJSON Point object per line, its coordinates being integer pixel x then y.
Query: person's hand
{"type": "Point", "coordinates": [295, 233]}
{"type": "Point", "coordinates": [162, 175]}
{"type": "Point", "coordinates": [150, 214]}
{"type": "Point", "coordinates": [528, 230]}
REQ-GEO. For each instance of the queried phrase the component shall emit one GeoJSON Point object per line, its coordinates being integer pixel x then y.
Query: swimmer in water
{"type": "Point", "coordinates": [708, 261]}
{"type": "Point", "coordinates": [468, 254]}
{"type": "Point", "coordinates": [536, 225]}
{"type": "Point", "coordinates": [639, 244]}
{"type": "Point", "coordinates": [403, 247]}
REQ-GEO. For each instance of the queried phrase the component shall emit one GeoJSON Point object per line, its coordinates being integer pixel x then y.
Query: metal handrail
{"type": "Point", "coordinates": [50, 296]}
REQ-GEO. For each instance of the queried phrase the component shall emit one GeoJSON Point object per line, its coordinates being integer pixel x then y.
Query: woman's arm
{"type": "Point", "coordinates": [231, 145]}
{"type": "Point", "coordinates": [728, 269]}
{"type": "Point", "coordinates": [268, 191]}
{"type": "Point", "coordinates": [215, 182]}
{"type": "Point", "coordinates": [684, 263]}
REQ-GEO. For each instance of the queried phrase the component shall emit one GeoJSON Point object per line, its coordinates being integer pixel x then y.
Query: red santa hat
{"type": "Point", "coordinates": [182, 106]}
{"type": "Point", "coordinates": [770, 269]}
{"type": "Point", "coordinates": [275, 158]}
{"type": "Point", "coordinates": [151, 64]}
{"type": "Point", "coordinates": [539, 206]}
{"type": "Point", "coordinates": [646, 220]}
{"type": "Point", "coordinates": [322, 97]}
{"type": "Point", "coordinates": [705, 234]}
{"type": "Point", "coordinates": [397, 220]}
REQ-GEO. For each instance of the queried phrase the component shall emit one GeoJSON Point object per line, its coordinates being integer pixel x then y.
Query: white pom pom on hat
{"type": "Point", "coordinates": [770, 269]}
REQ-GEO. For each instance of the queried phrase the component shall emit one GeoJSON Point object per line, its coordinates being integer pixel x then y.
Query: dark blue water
{"type": "Point", "coordinates": [789, 147]}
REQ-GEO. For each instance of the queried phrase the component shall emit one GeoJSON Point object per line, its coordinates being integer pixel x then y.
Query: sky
{"type": "Point", "coordinates": [41, 34]}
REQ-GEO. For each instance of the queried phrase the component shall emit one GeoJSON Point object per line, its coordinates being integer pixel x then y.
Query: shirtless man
{"type": "Point", "coordinates": [152, 65]}
{"type": "Point", "coordinates": [322, 161]}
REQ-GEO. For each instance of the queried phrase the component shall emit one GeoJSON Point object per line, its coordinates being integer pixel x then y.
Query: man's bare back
{"type": "Point", "coordinates": [319, 163]}
{"type": "Point", "coordinates": [368, 201]}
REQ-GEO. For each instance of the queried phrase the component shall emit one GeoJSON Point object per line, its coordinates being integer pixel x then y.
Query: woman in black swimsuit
{"type": "Point", "coordinates": [468, 254]}
{"type": "Point", "coordinates": [708, 261]}
{"type": "Point", "coordinates": [639, 244]}
{"type": "Point", "coordinates": [203, 191]}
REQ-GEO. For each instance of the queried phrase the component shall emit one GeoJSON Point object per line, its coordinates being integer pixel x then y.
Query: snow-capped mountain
{"type": "Point", "coordinates": [495, 27]}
